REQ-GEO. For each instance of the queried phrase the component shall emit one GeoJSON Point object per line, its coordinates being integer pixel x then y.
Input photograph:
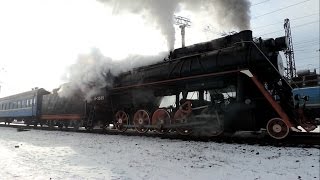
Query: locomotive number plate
{"type": "Point", "coordinates": [98, 98]}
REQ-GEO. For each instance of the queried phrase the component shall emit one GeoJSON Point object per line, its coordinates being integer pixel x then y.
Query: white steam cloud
{"type": "Point", "coordinates": [226, 13]}
{"type": "Point", "coordinates": [94, 71]}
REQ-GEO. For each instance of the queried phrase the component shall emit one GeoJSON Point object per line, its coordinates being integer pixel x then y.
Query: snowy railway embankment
{"type": "Point", "coordinates": [65, 155]}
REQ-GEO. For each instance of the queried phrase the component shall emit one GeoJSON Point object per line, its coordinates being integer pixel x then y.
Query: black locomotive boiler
{"type": "Point", "coordinates": [228, 84]}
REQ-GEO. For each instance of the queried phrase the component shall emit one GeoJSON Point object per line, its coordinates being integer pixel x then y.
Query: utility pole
{"type": "Point", "coordinates": [182, 22]}
{"type": "Point", "coordinates": [289, 53]}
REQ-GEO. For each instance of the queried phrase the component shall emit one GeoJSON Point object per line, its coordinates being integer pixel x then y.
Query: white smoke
{"type": "Point", "coordinates": [93, 71]}
{"type": "Point", "coordinates": [226, 13]}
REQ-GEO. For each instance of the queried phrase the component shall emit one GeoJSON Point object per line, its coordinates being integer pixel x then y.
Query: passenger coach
{"type": "Point", "coordinates": [22, 107]}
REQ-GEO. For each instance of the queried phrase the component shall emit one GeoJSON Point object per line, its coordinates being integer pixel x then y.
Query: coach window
{"type": "Point", "coordinates": [34, 100]}
{"type": "Point", "coordinates": [19, 104]}
{"type": "Point", "coordinates": [23, 103]}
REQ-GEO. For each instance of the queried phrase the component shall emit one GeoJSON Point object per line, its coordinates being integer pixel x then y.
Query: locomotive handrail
{"type": "Point", "coordinates": [199, 54]}
{"type": "Point", "coordinates": [177, 79]}
{"type": "Point", "coordinates": [268, 61]}
{"type": "Point", "coordinates": [269, 98]}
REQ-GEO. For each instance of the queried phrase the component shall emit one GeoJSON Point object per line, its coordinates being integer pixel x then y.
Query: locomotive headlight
{"type": "Point", "coordinates": [280, 65]}
{"type": "Point", "coordinates": [247, 101]}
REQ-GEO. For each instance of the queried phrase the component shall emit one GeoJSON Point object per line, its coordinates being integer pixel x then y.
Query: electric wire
{"type": "Point", "coordinates": [262, 2]}
{"type": "Point", "coordinates": [308, 42]}
{"type": "Point", "coordinates": [294, 19]}
{"type": "Point", "coordinates": [301, 25]}
{"type": "Point", "coordinates": [286, 7]}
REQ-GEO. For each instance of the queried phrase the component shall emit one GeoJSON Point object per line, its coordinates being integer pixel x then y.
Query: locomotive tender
{"type": "Point", "coordinates": [224, 85]}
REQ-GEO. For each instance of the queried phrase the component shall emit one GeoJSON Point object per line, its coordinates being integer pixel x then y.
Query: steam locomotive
{"type": "Point", "coordinates": [228, 84]}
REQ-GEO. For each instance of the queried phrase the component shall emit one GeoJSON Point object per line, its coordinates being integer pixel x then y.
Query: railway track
{"type": "Point", "coordinates": [297, 139]}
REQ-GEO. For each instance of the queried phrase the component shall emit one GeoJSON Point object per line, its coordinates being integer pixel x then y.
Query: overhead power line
{"type": "Point", "coordinates": [260, 2]}
{"type": "Point", "coordinates": [312, 57]}
{"type": "Point", "coordinates": [307, 49]}
{"type": "Point", "coordinates": [281, 9]}
{"type": "Point", "coordinates": [307, 45]}
{"type": "Point", "coordinates": [308, 41]}
{"type": "Point", "coordinates": [301, 25]}
{"type": "Point", "coordinates": [280, 22]}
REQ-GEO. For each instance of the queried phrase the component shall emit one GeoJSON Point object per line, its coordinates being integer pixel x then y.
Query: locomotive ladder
{"type": "Point", "coordinates": [89, 121]}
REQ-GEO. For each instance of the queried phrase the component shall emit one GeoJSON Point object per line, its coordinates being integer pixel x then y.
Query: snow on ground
{"type": "Point", "coordinates": [41, 155]}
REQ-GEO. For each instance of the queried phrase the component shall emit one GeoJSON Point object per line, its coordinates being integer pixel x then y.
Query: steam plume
{"type": "Point", "coordinates": [94, 71]}
{"type": "Point", "coordinates": [227, 13]}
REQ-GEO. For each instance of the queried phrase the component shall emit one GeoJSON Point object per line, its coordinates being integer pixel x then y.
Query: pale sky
{"type": "Point", "coordinates": [39, 39]}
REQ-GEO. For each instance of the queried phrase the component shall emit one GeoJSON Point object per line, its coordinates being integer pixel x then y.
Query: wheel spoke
{"type": "Point", "coordinates": [161, 118]}
{"type": "Point", "coordinates": [141, 118]}
{"type": "Point", "coordinates": [181, 118]}
{"type": "Point", "coordinates": [121, 120]}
